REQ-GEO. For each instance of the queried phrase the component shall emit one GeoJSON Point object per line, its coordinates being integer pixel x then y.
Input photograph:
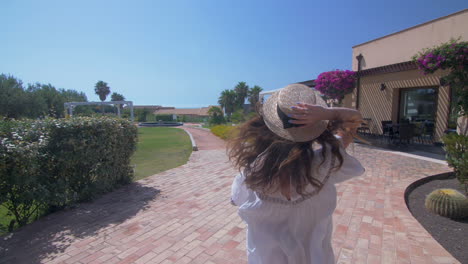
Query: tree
{"type": "Point", "coordinates": [216, 115]}
{"type": "Point", "coordinates": [13, 103]}
{"type": "Point", "coordinates": [242, 90]}
{"type": "Point", "coordinates": [102, 89]}
{"type": "Point", "coordinates": [254, 96]}
{"type": "Point", "coordinates": [36, 101]}
{"type": "Point", "coordinates": [227, 100]}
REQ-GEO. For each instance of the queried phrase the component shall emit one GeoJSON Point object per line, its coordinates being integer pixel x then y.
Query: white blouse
{"type": "Point", "coordinates": [296, 231]}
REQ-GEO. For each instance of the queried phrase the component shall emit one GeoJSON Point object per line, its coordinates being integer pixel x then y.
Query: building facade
{"type": "Point", "coordinates": [390, 87]}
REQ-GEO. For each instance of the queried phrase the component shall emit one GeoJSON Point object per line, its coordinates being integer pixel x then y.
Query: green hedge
{"type": "Point", "coordinates": [224, 131]}
{"type": "Point", "coordinates": [49, 164]}
{"type": "Point", "coordinates": [163, 118]}
{"type": "Point", "coordinates": [192, 119]}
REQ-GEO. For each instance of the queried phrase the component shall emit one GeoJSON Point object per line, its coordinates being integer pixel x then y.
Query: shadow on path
{"type": "Point", "coordinates": [56, 232]}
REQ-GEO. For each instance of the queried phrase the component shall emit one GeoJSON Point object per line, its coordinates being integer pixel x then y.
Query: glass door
{"type": "Point", "coordinates": [418, 106]}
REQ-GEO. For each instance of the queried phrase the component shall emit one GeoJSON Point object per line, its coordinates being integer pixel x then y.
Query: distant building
{"type": "Point", "coordinates": [152, 107]}
{"type": "Point", "coordinates": [187, 112]}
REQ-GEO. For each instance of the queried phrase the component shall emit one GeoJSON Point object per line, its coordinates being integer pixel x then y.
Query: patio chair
{"type": "Point", "coordinates": [418, 131]}
{"type": "Point", "coordinates": [364, 128]}
{"type": "Point", "coordinates": [405, 133]}
{"type": "Point", "coordinates": [387, 131]}
{"type": "Point", "coordinates": [429, 131]}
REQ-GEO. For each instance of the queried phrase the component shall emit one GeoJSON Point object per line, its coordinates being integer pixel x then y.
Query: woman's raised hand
{"type": "Point", "coordinates": [307, 114]}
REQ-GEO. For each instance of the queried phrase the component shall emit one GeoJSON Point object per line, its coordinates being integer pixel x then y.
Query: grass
{"type": "Point", "coordinates": [160, 149]}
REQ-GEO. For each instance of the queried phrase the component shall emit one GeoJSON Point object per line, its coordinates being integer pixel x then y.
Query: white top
{"type": "Point", "coordinates": [296, 231]}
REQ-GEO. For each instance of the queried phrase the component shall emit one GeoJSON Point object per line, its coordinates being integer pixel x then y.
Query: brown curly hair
{"type": "Point", "coordinates": [270, 161]}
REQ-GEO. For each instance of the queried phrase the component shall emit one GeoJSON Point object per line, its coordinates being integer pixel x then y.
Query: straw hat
{"type": "Point", "coordinates": [276, 109]}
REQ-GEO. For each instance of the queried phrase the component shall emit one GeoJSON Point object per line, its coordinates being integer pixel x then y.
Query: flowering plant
{"type": "Point", "coordinates": [453, 56]}
{"type": "Point", "coordinates": [336, 84]}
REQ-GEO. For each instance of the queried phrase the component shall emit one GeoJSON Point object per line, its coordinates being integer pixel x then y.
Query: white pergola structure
{"type": "Point", "coordinates": [261, 95]}
{"type": "Point", "coordinates": [70, 105]}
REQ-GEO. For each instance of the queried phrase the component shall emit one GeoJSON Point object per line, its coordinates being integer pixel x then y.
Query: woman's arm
{"type": "Point", "coordinates": [349, 119]}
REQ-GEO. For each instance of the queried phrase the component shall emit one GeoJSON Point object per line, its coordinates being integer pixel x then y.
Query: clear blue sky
{"type": "Point", "coordinates": [184, 53]}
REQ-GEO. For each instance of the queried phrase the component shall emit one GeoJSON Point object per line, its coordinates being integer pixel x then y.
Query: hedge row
{"type": "Point", "coordinates": [46, 165]}
{"type": "Point", "coordinates": [224, 131]}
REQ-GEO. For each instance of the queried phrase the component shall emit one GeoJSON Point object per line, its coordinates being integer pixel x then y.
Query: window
{"type": "Point", "coordinates": [418, 105]}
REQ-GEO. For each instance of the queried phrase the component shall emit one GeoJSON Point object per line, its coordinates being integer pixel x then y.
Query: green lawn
{"type": "Point", "coordinates": [160, 149]}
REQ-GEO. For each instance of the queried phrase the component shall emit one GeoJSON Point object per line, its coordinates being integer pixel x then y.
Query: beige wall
{"type": "Point", "coordinates": [383, 105]}
{"type": "Point", "coordinates": [401, 46]}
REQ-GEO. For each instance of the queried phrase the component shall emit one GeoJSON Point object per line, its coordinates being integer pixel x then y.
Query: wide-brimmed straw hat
{"type": "Point", "coordinates": [276, 109]}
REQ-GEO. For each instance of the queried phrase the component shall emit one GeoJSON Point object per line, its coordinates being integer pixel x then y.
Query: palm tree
{"type": "Point", "coordinates": [254, 96]}
{"type": "Point", "coordinates": [227, 100]}
{"type": "Point", "coordinates": [117, 97]}
{"type": "Point", "coordinates": [102, 89]}
{"type": "Point", "coordinates": [242, 91]}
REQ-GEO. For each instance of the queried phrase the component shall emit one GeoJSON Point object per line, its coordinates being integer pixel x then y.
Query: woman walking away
{"type": "Point", "coordinates": [290, 158]}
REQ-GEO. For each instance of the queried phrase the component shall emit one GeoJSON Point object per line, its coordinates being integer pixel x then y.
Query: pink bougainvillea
{"type": "Point", "coordinates": [451, 55]}
{"type": "Point", "coordinates": [336, 84]}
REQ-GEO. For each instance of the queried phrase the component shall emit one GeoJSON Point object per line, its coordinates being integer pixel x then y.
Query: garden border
{"type": "Point", "coordinates": [194, 144]}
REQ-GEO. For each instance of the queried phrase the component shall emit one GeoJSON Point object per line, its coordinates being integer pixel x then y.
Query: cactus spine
{"type": "Point", "coordinates": [448, 203]}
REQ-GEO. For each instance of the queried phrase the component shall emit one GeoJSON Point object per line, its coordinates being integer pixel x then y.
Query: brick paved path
{"type": "Point", "coordinates": [183, 216]}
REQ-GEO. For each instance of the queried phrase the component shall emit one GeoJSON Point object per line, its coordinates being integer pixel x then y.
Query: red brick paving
{"type": "Point", "coordinates": [191, 221]}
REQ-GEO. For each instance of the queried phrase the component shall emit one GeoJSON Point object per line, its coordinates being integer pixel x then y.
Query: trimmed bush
{"type": "Point", "coordinates": [224, 131]}
{"type": "Point", "coordinates": [166, 118]}
{"type": "Point", "coordinates": [448, 203]}
{"type": "Point", "coordinates": [54, 163]}
{"type": "Point", "coordinates": [192, 119]}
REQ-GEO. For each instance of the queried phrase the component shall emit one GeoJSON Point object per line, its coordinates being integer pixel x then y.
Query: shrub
{"type": "Point", "coordinates": [224, 131]}
{"type": "Point", "coordinates": [456, 147]}
{"type": "Point", "coordinates": [238, 116]}
{"type": "Point", "coordinates": [22, 191]}
{"type": "Point", "coordinates": [448, 203]}
{"type": "Point", "coordinates": [53, 163]}
{"type": "Point", "coordinates": [216, 115]}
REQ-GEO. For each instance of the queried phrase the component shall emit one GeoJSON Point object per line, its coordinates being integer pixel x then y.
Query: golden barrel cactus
{"type": "Point", "coordinates": [448, 203]}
